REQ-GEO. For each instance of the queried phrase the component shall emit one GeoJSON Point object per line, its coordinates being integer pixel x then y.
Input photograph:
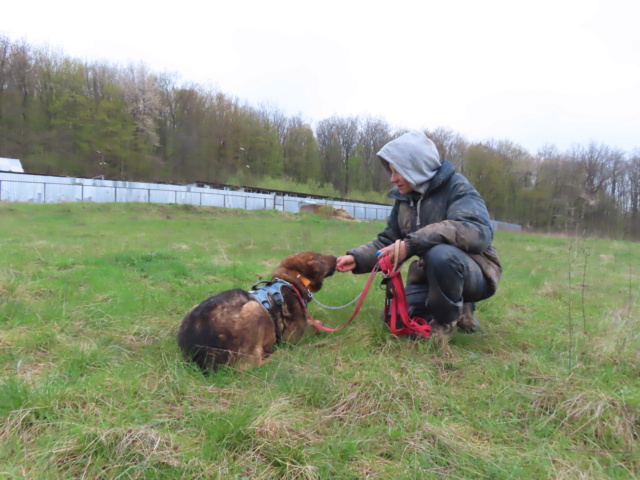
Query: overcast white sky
{"type": "Point", "coordinates": [561, 72]}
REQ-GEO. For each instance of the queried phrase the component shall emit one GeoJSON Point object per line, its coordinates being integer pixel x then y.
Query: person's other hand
{"type": "Point", "coordinates": [391, 252]}
{"type": "Point", "coordinates": [345, 263]}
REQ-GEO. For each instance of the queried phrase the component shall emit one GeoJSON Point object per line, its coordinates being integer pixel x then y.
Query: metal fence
{"type": "Point", "coordinates": [21, 187]}
{"type": "Point", "coordinates": [16, 187]}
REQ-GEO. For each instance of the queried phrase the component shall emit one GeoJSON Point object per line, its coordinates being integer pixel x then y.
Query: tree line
{"type": "Point", "coordinates": [64, 116]}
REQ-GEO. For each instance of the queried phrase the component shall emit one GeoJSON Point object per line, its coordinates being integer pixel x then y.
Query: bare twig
{"type": "Point", "coordinates": [570, 318]}
{"type": "Point", "coordinates": [630, 289]}
{"type": "Point", "coordinates": [584, 279]}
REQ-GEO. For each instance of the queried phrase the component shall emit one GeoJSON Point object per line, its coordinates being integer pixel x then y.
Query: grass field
{"type": "Point", "coordinates": [92, 384]}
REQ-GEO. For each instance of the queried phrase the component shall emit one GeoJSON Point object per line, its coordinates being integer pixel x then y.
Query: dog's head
{"type": "Point", "coordinates": [311, 266]}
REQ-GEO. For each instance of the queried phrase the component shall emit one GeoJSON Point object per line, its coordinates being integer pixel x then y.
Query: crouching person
{"type": "Point", "coordinates": [442, 220]}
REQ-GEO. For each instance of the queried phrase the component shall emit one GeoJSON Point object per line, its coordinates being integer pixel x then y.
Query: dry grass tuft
{"type": "Point", "coordinates": [365, 401]}
{"type": "Point", "coordinates": [125, 447]}
{"type": "Point", "coordinates": [277, 433]}
{"type": "Point", "coordinates": [604, 422]}
{"type": "Point", "coordinates": [278, 423]}
{"type": "Point", "coordinates": [33, 371]}
{"type": "Point", "coordinates": [619, 338]}
{"type": "Point", "coordinates": [575, 470]}
{"type": "Point", "coordinates": [611, 420]}
{"type": "Point", "coordinates": [14, 287]}
{"type": "Point", "coordinates": [22, 423]}
{"type": "Point", "coordinates": [372, 468]}
{"type": "Point", "coordinates": [224, 397]}
{"type": "Point", "coordinates": [553, 290]}
{"type": "Point", "coordinates": [270, 264]}
{"type": "Point", "coordinates": [449, 437]}
{"type": "Point", "coordinates": [606, 258]}
{"type": "Point", "coordinates": [142, 336]}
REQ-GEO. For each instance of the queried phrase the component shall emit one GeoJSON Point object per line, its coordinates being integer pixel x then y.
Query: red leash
{"type": "Point", "coordinates": [393, 308]}
{"type": "Point", "coordinates": [398, 306]}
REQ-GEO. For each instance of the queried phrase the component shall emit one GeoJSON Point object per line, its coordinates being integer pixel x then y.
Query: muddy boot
{"type": "Point", "coordinates": [443, 331]}
{"type": "Point", "coordinates": [467, 323]}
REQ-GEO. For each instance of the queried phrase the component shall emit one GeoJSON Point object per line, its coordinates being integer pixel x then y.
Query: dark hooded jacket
{"type": "Point", "coordinates": [448, 211]}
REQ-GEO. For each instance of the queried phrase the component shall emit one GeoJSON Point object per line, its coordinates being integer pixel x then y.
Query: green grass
{"type": "Point", "coordinates": [92, 384]}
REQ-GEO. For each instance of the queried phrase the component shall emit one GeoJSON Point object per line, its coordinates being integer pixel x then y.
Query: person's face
{"type": "Point", "coordinates": [403, 186]}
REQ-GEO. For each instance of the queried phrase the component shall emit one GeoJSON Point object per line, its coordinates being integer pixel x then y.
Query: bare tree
{"type": "Point", "coordinates": [615, 163]}
{"type": "Point", "coordinates": [277, 119]}
{"type": "Point", "coordinates": [300, 150]}
{"type": "Point", "coordinates": [633, 182]}
{"type": "Point", "coordinates": [143, 99]}
{"type": "Point", "coordinates": [374, 134]}
{"type": "Point", "coordinates": [5, 48]}
{"type": "Point", "coordinates": [328, 146]}
{"type": "Point", "coordinates": [451, 145]}
{"type": "Point", "coordinates": [595, 162]}
{"type": "Point", "coordinates": [341, 134]}
{"type": "Point", "coordinates": [348, 134]}
{"type": "Point", "coordinates": [20, 67]}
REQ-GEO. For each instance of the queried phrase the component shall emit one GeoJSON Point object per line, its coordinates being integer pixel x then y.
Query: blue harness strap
{"type": "Point", "coordinates": [268, 291]}
{"type": "Point", "coordinates": [269, 295]}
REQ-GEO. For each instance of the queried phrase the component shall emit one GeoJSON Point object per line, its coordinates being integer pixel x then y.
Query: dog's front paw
{"type": "Point", "coordinates": [313, 328]}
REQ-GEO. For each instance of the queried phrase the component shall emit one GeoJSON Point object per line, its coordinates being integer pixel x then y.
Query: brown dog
{"type": "Point", "coordinates": [240, 327]}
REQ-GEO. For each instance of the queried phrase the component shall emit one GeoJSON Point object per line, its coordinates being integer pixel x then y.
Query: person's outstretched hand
{"type": "Point", "coordinates": [345, 263]}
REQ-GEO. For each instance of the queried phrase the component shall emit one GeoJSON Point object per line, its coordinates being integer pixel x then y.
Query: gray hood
{"type": "Point", "coordinates": [413, 156]}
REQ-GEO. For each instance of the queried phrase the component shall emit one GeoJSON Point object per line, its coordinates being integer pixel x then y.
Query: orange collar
{"type": "Point", "coordinates": [305, 281]}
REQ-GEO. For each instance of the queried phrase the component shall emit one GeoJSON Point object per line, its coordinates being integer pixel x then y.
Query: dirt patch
{"type": "Point", "coordinates": [328, 211]}
{"type": "Point", "coordinates": [343, 214]}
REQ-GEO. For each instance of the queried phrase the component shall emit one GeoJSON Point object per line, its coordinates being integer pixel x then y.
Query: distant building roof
{"type": "Point", "coordinates": [11, 165]}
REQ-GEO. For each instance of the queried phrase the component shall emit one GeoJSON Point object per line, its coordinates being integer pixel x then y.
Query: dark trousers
{"type": "Point", "coordinates": [451, 278]}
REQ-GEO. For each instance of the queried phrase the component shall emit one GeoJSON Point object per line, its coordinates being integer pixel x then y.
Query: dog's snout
{"type": "Point", "coordinates": [332, 270]}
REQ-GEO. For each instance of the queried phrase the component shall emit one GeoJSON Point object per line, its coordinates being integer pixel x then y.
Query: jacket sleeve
{"type": "Point", "coordinates": [365, 255]}
{"type": "Point", "coordinates": [467, 225]}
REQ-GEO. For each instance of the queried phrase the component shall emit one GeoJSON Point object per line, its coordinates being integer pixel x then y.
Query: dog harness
{"type": "Point", "coordinates": [270, 295]}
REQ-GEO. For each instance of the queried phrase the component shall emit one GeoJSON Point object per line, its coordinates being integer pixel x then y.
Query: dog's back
{"type": "Point", "coordinates": [214, 332]}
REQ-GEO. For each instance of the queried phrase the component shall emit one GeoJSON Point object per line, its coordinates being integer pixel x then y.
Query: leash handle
{"type": "Point", "coordinates": [396, 254]}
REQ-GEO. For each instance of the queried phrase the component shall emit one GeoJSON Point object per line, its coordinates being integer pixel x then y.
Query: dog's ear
{"type": "Point", "coordinates": [311, 270]}
{"type": "Point", "coordinates": [313, 264]}
{"type": "Point", "coordinates": [317, 268]}
{"type": "Point", "coordinates": [314, 271]}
